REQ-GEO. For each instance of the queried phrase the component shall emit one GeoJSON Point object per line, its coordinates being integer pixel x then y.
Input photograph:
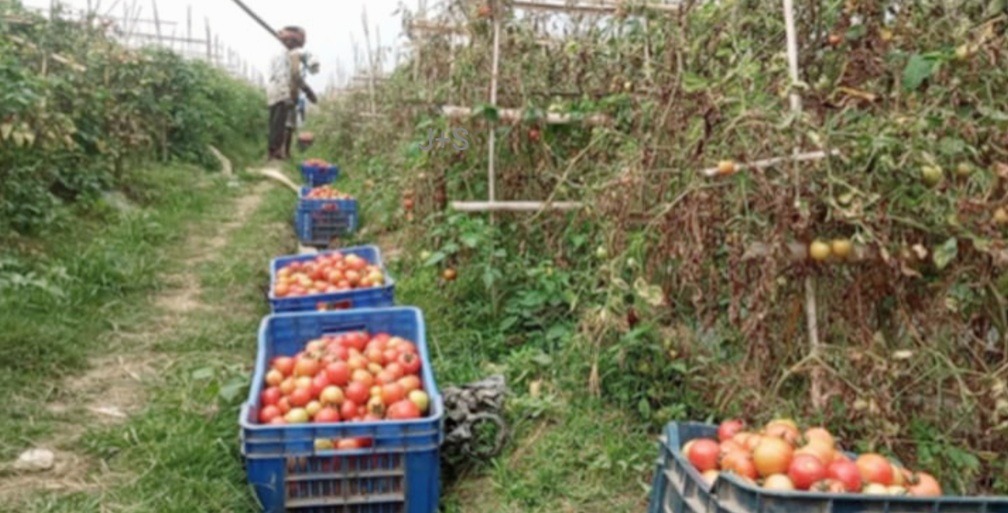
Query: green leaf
{"type": "Point", "coordinates": [434, 259]}
{"type": "Point", "coordinates": [488, 112]}
{"type": "Point", "coordinates": [230, 391]}
{"type": "Point", "coordinates": [951, 146]}
{"type": "Point", "coordinates": [470, 240]}
{"type": "Point", "coordinates": [557, 332]}
{"type": "Point", "coordinates": [203, 374]}
{"type": "Point", "coordinates": [993, 114]}
{"type": "Point", "coordinates": [918, 69]}
{"type": "Point", "coordinates": [542, 359]}
{"type": "Point", "coordinates": [508, 323]}
{"type": "Point", "coordinates": [693, 83]}
{"type": "Point", "coordinates": [946, 253]}
{"type": "Point", "coordinates": [856, 32]}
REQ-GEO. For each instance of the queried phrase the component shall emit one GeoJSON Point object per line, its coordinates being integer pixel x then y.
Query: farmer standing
{"type": "Point", "coordinates": [285, 85]}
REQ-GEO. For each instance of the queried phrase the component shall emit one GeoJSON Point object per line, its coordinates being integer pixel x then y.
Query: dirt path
{"type": "Point", "coordinates": [112, 389]}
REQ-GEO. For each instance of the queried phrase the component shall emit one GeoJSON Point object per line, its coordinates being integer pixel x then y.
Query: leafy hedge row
{"type": "Point", "coordinates": [77, 109]}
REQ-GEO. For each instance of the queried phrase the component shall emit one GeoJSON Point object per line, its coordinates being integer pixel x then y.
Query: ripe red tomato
{"type": "Point", "coordinates": [327, 414]}
{"type": "Point", "coordinates": [363, 377]}
{"type": "Point", "coordinates": [405, 346]}
{"type": "Point", "coordinates": [375, 355]}
{"type": "Point", "coordinates": [729, 428]}
{"type": "Point", "coordinates": [357, 340]}
{"type": "Point", "coordinates": [772, 456]}
{"type": "Point", "coordinates": [356, 362]}
{"type": "Point", "coordinates": [371, 417]}
{"type": "Point", "coordinates": [284, 405]}
{"type": "Point", "coordinates": [274, 377]}
{"type": "Point", "coordinates": [389, 355]}
{"type": "Point", "coordinates": [847, 473]}
{"type": "Point", "coordinates": [348, 409]}
{"type": "Point", "coordinates": [875, 468]}
{"type": "Point", "coordinates": [805, 470]}
{"type": "Point", "coordinates": [410, 383]}
{"type": "Point", "coordinates": [270, 396]}
{"type": "Point", "coordinates": [284, 364]}
{"type": "Point", "coordinates": [730, 446]}
{"type": "Point", "coordinates": [382, 338]}
{"type": "Point", "coordinates": [347, 444]}
{"type": "Point", "coordinates": [357, 392]}
{"type": "Point", "coordinates": [740, 463]}
{"type": "Point", "coordinates": [319, 383]}
{"type": "Point", "coordinates": [410, 363]}
{"type": "Point", "coordinates": [340, 352]}
{"type": "Point", "coordinates": [268, 413]}
{"type": "Point", "coordinates": [703, 454]}
{"type": "Point", "coordinates": [305, 366]}
{"type": "Point", "coordinates": [778, 482]}
{"type": "Point", "coordinates": [278, 420]}
{"type": "Point", "coordinates": [828, 486]}
{"type": "Point", "coordinates": [392, 393]}
{"type": "Point", "coordinates": [300, 397]}
{"type": "Point", "coordinates": [403, 410]}
{"type": "Point", "coordinates": [923, 484]}
{"type": "Point", "coordinates": [338, 373]}
{"type": "Point", "coordinates": [375, 406]}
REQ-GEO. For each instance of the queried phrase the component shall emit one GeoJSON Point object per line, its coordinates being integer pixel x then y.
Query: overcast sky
{"type": "Point", "coordinates": [332, 26]}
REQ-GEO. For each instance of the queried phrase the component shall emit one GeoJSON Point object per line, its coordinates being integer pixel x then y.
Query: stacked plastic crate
{"type": "Point", "coordinates": [318, 220]}
{"type": "Point", "coordinates": [301, 466]}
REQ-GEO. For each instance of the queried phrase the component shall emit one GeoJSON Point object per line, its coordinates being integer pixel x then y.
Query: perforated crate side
{"type": "Point", "coordinates": [399, 473]}
{"type": "Point", "coordinates": [677, 487]}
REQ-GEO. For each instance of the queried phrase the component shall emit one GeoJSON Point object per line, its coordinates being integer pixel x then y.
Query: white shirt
{"type": "Point", "coordinates": [278, 86]}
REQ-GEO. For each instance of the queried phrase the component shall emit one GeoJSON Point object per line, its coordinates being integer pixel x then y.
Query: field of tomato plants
{"type": "Point", "coordinates": [79, 113]}
{"type": "Point", "coordinates": [703, 275]}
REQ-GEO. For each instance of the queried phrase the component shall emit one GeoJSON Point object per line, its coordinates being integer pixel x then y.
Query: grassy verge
{"type": "Point", "coordinates": [64, 295]}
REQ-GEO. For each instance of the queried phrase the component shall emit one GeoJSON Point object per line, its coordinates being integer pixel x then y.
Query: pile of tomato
{"type": "Point", "coordinates": [780, 456]}
{"type": "Point", "coordinates": [353, 377]}
{"type": "Point", "coordinates": [327, 192]}
{"type": "Point", "coordinates": [317, 162]}
{"type": "Point", "coordinates": [327, 273]}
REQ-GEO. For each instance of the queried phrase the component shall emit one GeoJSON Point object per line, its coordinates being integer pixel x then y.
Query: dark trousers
{"type": "Point", "coordinates": [279, 114]}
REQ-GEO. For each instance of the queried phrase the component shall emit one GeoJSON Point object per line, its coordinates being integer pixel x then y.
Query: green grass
{"type": "Point", "coordinates": [66, 292]}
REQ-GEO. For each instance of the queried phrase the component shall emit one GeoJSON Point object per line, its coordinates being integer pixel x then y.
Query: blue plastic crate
{"type": "Point", "coordinates": [319, 221]}
{"type": "Point", "coordinates": [677, 486]}
{"type": "Point", "coordinates": [736, 496]}
{"type": "Point", "coordinates": [319, 175]}
{"type": "Point", "coordinates": [357, 298]}
{"type": "Point", "coordinates": [399, 473]}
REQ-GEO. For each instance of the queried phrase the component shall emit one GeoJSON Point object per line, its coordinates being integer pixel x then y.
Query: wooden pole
{"type": "Point", "coordinates": [514, 206]}
{"type": "Point", "coordinates": [209, 41]}
{"type": "Point", "coordinates": [492, 139]}
{"type": "Point", "coordinates": [188, 46]}
{"type": "Point", "coordinates": [157, 21]}
{"type": "Point", "coordinates": [370, 57]}
{"type": "Point", "coordinates": [811, 310]}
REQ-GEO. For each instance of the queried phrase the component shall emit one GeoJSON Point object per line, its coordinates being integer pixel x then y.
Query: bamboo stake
{"type": "Point", "coordinates": [494, 70]}
{"type": "Point", "coordinates": [811, 313]}
{"type": "Point", "coordinates": [762, 164]}
{"type": "Point", "coordinates": [534, 5]}
{"type": "Point", "coordinates": [516, 115]}
{"type": "Point", "coordinates": [157, 21]}
{"type": "Point", "coordinates": [370, 56]}
{"type": "Point", "coordinates": [514, 206]}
